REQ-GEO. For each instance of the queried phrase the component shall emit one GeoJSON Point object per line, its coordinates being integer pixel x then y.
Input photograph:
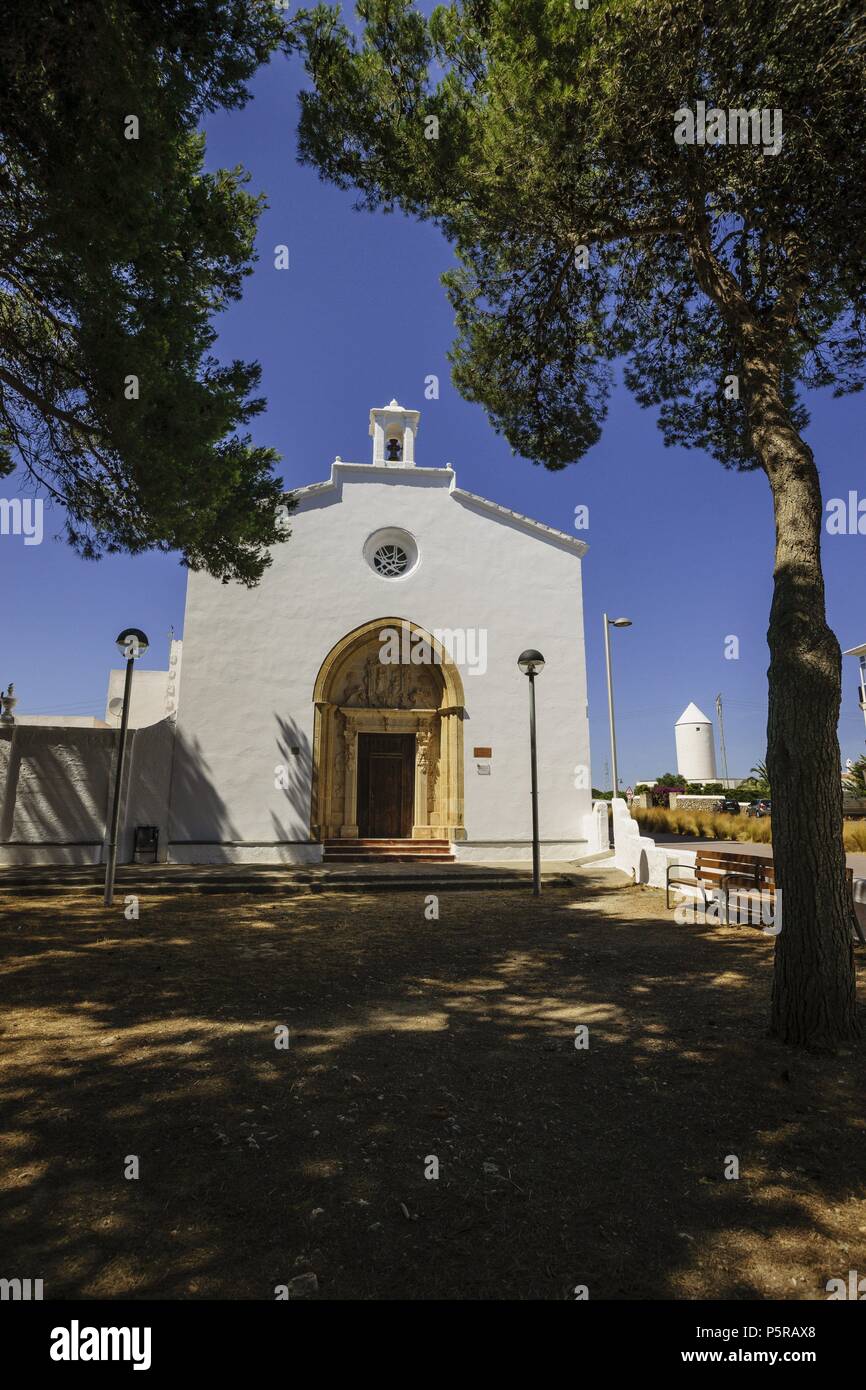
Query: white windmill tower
{"type": "Point", "coordinates": [696, 748]}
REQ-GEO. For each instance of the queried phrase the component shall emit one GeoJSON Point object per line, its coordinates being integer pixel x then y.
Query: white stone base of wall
{"type": "Point", "coordinates": [299, 852]}
{"type": "Point", "coordinates": [31, 856]}
{"type": "Point", "coordinates": [517, 851]}
{"type": "Point", "coordinates": [593, 841]}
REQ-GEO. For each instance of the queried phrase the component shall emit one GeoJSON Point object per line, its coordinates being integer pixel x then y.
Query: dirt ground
{"type": "Point", "coordinates": [410, 1040]}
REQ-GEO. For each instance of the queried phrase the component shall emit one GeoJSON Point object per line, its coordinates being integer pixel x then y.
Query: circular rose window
{"type": "Point", "coordinates": [390, 560]}
{"type": "Point", "coordinates": [391, 552]}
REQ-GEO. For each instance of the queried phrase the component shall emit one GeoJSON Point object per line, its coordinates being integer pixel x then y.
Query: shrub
{"type": "Point", "coordinates": [759, 831]}
{"type": "Point", "coordinates": [854, 836]}
{"type": "Point", "coordinates": [724, 827]}
{"type": "Point", "coordinates": [653, 820]}
{"type": "Point", "coordinates": [705, 825]}
{"type": "Point", "coordinates": [713, 825]}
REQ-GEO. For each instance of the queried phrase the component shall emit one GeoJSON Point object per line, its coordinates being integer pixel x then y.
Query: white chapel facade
{"type": "Point", "coordinates": [368, 689]}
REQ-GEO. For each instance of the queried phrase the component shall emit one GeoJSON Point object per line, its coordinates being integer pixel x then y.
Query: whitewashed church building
{"type": "Point", "coordinates": [365, 696]}
{"type": "Point", "coordinates": [368, 688]}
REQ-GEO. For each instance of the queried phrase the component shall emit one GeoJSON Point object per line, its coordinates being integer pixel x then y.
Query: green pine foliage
{"type": "Point", "coordinates": [116, 254]}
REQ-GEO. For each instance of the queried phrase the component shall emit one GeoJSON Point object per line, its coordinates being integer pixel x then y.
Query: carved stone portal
{"type": "Point", "coordinates": [358, 693]}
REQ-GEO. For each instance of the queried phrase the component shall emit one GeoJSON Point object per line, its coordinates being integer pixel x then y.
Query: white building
{"type": "Point", "coordinates": [368, 688]}
{"type": "Point", "coordinates": [153, 696]}
{"type": "Point", "coordinates": [861, 653]}
{"type": "Point", "coordinates": [696, 749]}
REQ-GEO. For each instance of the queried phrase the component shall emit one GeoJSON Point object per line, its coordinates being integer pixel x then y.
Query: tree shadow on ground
{"type": "Point", "coordinates": [410, 1040]}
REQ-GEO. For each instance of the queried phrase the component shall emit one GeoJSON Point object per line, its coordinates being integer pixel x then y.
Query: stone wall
{"type": "Point", "coordinates": [681, 801]}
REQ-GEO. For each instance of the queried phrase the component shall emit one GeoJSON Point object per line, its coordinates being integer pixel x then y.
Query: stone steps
{"type": "Point", "coordinates": [388, 859]}
{"type": "Point", "coordinates": [384, 842]}
{"type": "Point", "coordinates": [385, 851]}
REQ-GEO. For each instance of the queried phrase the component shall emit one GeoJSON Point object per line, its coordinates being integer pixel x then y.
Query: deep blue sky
{"type": "Point", "coordinates": [677, 543]}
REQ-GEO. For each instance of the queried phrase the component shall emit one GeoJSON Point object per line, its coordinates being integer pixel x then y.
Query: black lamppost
{"type": "Point", "coordinates": [530, 663]}
{"type": "Point", "coordinates": [132, 643]}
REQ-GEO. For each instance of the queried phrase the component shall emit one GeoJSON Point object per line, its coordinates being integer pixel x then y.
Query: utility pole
{"type": "Point", "coordinates": [608, 624]}
{"type": "Point", "coordinates": [724, 750]}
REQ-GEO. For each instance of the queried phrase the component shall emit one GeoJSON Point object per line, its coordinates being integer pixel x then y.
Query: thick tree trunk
{"type": "Point", "coordinates": [813, 982]}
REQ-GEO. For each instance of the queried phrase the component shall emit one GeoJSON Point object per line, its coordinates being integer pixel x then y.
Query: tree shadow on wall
{"type": "Point", "coordinates": [56, 790]}
{"type": "Point", "coordinates": [198, 817]}
{"type": "Point", "coordinates": [296, 756]}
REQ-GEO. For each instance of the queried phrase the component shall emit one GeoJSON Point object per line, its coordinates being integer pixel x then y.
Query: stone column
{"type": "Point", "coordinates": [320, 780]}
{"type": "Point", "coordinates": [451, 773]}
{"type": "Point", "coordinates": [421, 829]}
{"type": "Point", "coordinates": [349, 828]}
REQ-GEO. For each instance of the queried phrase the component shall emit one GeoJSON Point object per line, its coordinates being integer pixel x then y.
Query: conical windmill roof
{"type": "Point", "coordinates": [692, 715]}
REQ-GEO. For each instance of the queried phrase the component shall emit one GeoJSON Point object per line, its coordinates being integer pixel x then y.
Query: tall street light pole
{"type": "Point", "coordinates": [530, 663]}
{"type": "Point", "coordinates": [132, 643]}
{"type": "Point", "coordinates": [609, 623]}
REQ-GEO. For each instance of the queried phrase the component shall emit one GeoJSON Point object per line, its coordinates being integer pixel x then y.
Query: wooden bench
{"type": "Point", "coordinates": [719, 869]}
{"type": "Point", "coordinates": [730, 871]}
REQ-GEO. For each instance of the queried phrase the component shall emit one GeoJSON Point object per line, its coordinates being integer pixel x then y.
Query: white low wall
{"type": "Point", "coordinates": [596, 828]}
{"type": "Point", "coordinates": [56, 785]}
{"type": "Point", "coordinates": [639, 855]}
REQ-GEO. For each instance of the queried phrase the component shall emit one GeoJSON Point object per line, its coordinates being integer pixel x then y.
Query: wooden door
{"type": "Point", "coordinates": [386, 786]}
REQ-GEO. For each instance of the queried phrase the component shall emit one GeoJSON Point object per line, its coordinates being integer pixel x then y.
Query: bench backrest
{"type": "Point", "coordinates": [714, 864]}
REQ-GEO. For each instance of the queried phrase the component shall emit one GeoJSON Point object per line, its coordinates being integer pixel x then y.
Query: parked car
{"type": "Point", "coordinates": [729, 806]}
{"type": "Point", "coordinates": [759, 808]}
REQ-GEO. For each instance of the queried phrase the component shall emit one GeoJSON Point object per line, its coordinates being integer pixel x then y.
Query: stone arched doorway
{"type": "Point", "coordinates": [388, 737]}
